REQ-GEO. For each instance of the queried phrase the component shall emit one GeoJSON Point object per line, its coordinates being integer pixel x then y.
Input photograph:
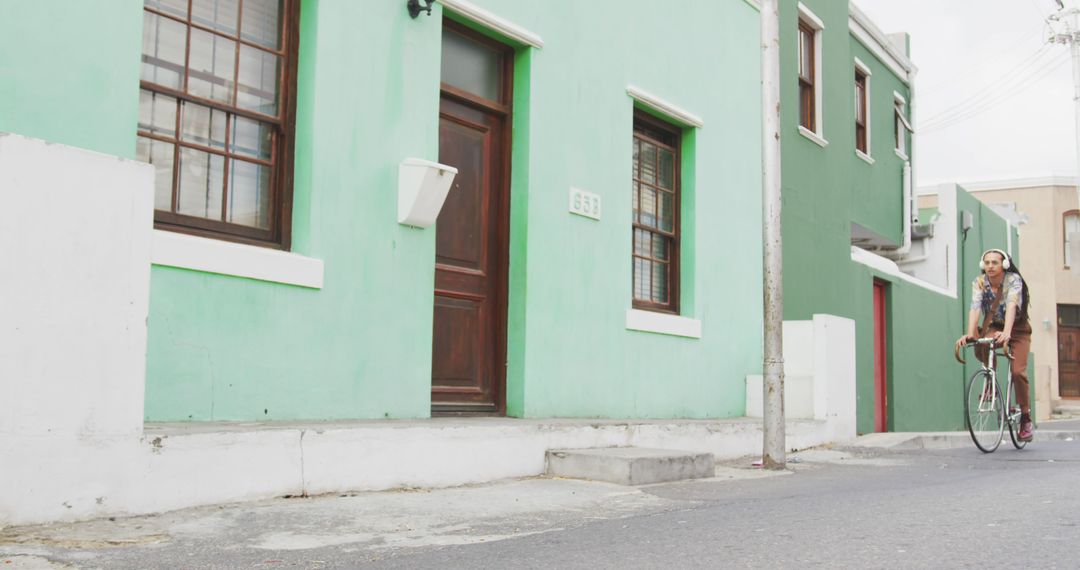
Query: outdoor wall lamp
{"type": "Point", "coordinates": [415, 8]}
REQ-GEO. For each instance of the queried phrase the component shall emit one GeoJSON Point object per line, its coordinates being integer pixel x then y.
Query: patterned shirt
{"type": "Point", "coordinates": [982, 295]}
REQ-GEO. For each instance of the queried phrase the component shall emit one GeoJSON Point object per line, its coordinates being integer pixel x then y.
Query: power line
{"type": "Point", "coordinates": [988, 58]}
{"type": "Point", "coordinates": [995, 98]}
{"type": "Point", "coordinates": [1001, 82]}
{"type": "Point", "coordinates": [1042, 73]}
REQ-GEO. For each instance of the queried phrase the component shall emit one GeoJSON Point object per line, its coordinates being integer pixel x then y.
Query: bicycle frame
{"type": "Point", "coordinates": [1012, 415]}
{"type": "Point", "coordinates": [988, 394]}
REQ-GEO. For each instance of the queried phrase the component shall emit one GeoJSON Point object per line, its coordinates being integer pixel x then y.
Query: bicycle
{"type": "Point", "coordinates": [984, 408]}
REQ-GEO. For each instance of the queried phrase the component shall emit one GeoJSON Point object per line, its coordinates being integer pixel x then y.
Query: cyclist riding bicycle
{"type": "Point", "coordinates": [1000, 295]}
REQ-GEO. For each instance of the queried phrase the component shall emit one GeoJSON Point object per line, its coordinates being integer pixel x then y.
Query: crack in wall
{"type": "Point", "coordinates": [303, 476]}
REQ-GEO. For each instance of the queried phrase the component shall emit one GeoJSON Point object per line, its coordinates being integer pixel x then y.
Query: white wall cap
{"type": "Point", "coordinates": [235, 259]}
{"type": "Point", "coordinates": [651, 321]}
{"type": "Point", "coordinates": [1011, 183]}
{"type": "Point", "coordinates": [868, 34]}
{"type": "Point", "coordinates": [492, 22]}
{"type": "Point", "coordinates": [670, 110]}
{"type": "Point", "coordinates": [889, 267]}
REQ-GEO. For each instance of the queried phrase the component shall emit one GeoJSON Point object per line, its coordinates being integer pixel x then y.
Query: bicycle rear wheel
{"type": "Point", "coordinates": [984, 409]}
{"type": "Point", "coordinates": [1018, 443]}
{"type": "Point", "coordinates": [1014, 426]}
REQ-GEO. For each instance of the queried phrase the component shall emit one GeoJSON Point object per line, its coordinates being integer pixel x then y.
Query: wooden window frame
{"type": "Point", "coordinates": [807, 81]}
{"type": "Point", "coordinates": [1065, 236]}
{"type": "Point", "coordinates": [505, 87]}
{"type": "Point", "coordinates": [862, 112]}
{"type": "Point", "coordinates": [279, 233]}
{"type": "Point", "coordinates": [669, 137]}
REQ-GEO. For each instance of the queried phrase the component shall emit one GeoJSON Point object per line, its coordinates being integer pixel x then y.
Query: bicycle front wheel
{"type": "Point", "coordinates": [984, 408]}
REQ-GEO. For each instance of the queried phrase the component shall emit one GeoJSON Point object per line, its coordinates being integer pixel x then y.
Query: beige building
{"type": "Point", "coordinates": [1046, 211]}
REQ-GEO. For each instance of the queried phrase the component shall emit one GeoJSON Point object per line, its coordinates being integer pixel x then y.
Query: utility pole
{"type": "Point", "coordinates": [1066, 31]}
{"type": "Point", "coordinates": [773, 442]}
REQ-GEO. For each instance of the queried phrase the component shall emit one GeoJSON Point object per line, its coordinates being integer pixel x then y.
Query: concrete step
{"type": "Point", "coordinates": [1068, 410]}
{"type": "Point", "coordinates": [630, 465]}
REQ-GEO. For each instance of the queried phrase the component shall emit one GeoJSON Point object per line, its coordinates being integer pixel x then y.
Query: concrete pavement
{"type": "Point", "coordinates": [175, 466]}
{"type": "Point", "coordinates": [411, 527]}
{"type": "Point", "coordinates": [330, 530]}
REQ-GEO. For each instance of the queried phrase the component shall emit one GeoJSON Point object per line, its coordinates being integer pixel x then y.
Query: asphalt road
{"type": "Point", "coordinates": [932, 509]}
{"type": "Point", "coordinates": [955, 508]}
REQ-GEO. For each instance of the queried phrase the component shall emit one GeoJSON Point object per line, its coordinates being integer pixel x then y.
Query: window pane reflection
{"type": "Point", "coordinates": [203, 125]}
{"type": "Point", "coordinates": [164, 42]}
{"type": "Point", "coordinates": [251, 138]}
{"type": "Point", "coordinates": [211, 65]}
{"type": "Point", "coordinates": [470, 66]}
{"type": "Point", "coordinates": [262, 22]}
{"type": "Point", "coordinates": [249, 194]}
{"type": "Point", "coordinates": [258, 80]}
{"type": "Point", "coordinates": [219, 15]}
{"type": "Point", "coordinates": [157, 113]}
{"type": "Point", "coordinates": [160, 155]}
{"type": "Point", "coordinates": [175, 7]}
{"type": "Point", "coordinates": [201, 178]}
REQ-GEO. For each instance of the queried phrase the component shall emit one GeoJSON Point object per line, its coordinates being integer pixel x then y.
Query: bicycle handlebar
{"type": "Point", "coordinates": [1007, 351]}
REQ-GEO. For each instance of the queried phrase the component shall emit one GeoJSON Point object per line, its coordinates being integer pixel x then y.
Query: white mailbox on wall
{"type": "Point", "coordinates": [422, 189]}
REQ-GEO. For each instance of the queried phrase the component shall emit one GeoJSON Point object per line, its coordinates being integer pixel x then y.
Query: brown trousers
{"type": "Point", "coordinates": [1020, 344]}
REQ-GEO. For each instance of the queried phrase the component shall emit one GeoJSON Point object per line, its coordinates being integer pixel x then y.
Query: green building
{"type": "Point", "coordinates": [232, 223]}
{"type": "Point", "coordinates": [581, 264]}
{"type": "Point", "coordinates": [855, 245]}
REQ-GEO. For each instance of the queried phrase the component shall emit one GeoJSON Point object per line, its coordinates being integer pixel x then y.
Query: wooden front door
{"type": "Point", "coordinates": [1069, 362]}
{"type": "Point", "coordinates": [881, 360]}
{"type": "Point", "coordinates": [468, 364]}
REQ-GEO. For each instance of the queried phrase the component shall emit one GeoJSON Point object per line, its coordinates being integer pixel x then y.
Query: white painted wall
{"type": "Point", "coordinates": [75, 248]}
{"type": "Point", "coordinates": [834, 362]}
{"type": "Point", "coordinates": [75, 244]}
{"type": "Point", "coordinates": [819, 375]}
{"type": "Point", "coordinates": [934, 259]}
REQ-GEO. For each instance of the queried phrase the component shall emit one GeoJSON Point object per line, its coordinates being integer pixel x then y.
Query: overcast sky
{"type": "Point", "coordinates": [993, 98]}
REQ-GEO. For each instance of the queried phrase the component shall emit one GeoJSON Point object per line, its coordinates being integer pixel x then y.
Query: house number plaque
{"type": "Point", "coordinates": [584, 203]}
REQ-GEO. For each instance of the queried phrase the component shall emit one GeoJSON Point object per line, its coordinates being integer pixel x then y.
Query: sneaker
{"type": "Point", "coordinates": [1027, 432]}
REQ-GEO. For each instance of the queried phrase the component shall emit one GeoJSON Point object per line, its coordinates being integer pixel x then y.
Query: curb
{"type": "Point", "coordinates": [941, 440]}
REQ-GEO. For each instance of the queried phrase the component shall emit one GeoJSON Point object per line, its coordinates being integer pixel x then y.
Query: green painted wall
{"type": "Point", "coordinates": [925, 386]}
{"type": "Point", "coordinates": [580, 359]}
{"type": "Point", "coordinates": [827, 189]}
{"type": "Point", "coordinates": [227, 348]}
{"type": "Point", "coordinates": [69, 72]}
{"type": "Point", "coordinates": [876, 189]}
{"type": "Point", "coordinates": [224, 348]}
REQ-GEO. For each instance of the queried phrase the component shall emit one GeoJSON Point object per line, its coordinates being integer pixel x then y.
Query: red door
{"type": "Point", "coordinates": [468, 365]}
{"type": "Point", "coordinates": [881, 360]}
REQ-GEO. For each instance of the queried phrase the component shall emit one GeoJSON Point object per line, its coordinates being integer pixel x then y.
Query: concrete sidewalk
{"type": "Point", "coordinates": [176, 466]}
{"type": "Point", "coordinates": [333, 530]}
{"type": "Point", "coordinates": [339, 530]}
{"type": "Point", "coordinates": [1048, 430]}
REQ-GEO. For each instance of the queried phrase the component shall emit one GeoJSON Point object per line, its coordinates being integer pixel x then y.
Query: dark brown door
{"type": "Point", "coordinates": [468, 369]}
{"type": "Point", "coordinates": [1069, 362]}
